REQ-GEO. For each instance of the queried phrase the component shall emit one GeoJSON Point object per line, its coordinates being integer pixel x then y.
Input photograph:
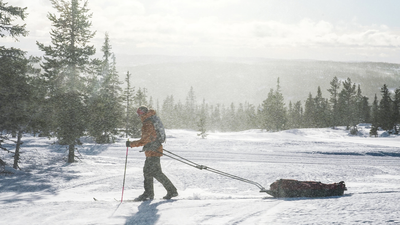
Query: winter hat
{"type": "Point", "coordinates": [142, 110]}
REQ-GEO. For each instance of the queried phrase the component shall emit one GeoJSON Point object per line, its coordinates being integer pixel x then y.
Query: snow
{"type": "Point", "coordinates": [49, 191]}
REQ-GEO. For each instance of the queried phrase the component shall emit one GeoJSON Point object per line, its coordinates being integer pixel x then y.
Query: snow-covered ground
{"type": "Point", "coordinates": [50, 191]}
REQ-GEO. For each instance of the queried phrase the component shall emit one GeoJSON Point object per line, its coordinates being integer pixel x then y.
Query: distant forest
{"type": "Point", "coordinates": [346, 106]}
{"type": "Point", "coordinates": [69, 94]}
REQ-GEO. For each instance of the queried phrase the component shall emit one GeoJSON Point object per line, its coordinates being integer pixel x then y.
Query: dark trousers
{"type": "Point", "coordinates": [152, 169]}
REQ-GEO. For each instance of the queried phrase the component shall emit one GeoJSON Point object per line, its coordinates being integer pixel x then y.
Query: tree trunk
{"type": "Point", "coordinates": [71, 154]}
{"type": "Point", "coordinates": [16, 155]}
{"type": "Point", "coordinates": [2, 163]}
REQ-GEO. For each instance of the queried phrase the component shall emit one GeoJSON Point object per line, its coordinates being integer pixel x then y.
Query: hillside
{"type": "Point", "coordinates": [226, 80]}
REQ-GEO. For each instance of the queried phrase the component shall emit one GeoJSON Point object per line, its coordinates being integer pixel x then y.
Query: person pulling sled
{"type": "Point", "coordinates": [153, 135]}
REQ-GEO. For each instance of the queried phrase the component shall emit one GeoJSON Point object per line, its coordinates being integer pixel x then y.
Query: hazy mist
{"type": "Point", "coordinates": [239, 80]}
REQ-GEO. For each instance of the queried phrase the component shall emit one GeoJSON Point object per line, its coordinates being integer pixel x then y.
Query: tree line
{"type": "Point", "coordinates": [68, 93]}
{"type": "Point", "coordinates": [346, 106]}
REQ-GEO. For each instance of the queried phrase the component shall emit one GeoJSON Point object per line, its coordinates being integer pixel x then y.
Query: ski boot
{"type": "Point", "coordinates": [170, 195]}
{"type": "Point", "coordinates": [144, 197]}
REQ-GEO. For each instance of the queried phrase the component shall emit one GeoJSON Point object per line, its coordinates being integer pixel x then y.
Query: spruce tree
{"type": "Point", "coordinates": [66, 63]}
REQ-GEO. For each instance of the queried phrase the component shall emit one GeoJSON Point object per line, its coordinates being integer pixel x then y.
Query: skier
{"type": "Point", "coordinates": [153, 149]}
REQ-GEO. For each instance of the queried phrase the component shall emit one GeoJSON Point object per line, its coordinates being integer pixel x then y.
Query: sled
{"type": "Point", "coordinates": [283, 188]}
{"type": "Point", "coordinates": [286, 188]}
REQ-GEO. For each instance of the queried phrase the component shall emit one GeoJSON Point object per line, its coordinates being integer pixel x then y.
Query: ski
{"type": "Point", "coordinates": [131, 200]}
{"type": "Point", "coordinates": [161, 199]}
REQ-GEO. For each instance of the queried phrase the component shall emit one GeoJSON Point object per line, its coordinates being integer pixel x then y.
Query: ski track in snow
{"type": "Point", "coordinates": [50, 191]}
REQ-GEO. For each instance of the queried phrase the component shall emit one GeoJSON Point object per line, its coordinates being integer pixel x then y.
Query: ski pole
{"type": "Point", "coordinates": [123, 184]}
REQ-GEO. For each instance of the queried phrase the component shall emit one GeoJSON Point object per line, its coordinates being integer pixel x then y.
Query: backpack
{"type": "Point", "coordinates": [159, 127]}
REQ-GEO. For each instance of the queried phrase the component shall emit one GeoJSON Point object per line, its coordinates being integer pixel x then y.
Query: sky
{"type": "Point", "coordinates": [337, 30]}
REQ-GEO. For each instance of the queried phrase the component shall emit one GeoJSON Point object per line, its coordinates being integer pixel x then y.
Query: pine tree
{"type": "Point", "coordinates": [346, 104]}
{"type": "Point", "coordinates": [190, 110]}
{"type": "Point", "coordinates": [132, 121]}
{"type": "Point", "coordinates": [309, 112]}
{"type": "Point", "coordinates": [18, 97]}
{"type": "Point", "coordinates": [375, 117]}
{"type": "Point", "coordinates": [168, 115]}
{"type": "Point", "coordinates": [240, 118]}
{"type": "Point", "coordinates": [396, 110]}
{"type": "Point", "coordinates": [8, 14]}
{"type": "Point", "coordinates": [104, 103]}
{"type": "Point", "coordinates": [322, 110]}
{"type": "Point", "coordinates": [202, 122]}
{"type": "Point", "coordinates": [274, 111]}
{"type": "Point", "coordinates": [179, 113]}
{"type": "Point", "coordinates": [365, 110]}
{"type": "Point", "coordinates": [362, 108]}
{"type": "Point", "coordinates": [66, 63]}
{"type": "Point", "coordinates": [250, 116]}
{"type": "Point", "coordinates": [295, 116]}
{"type": "Point", "coordinates": [334, 91]}
{"type": "Point", "coordinates": [230, 118]}
{"type": "Point", "coordinates": [245, 117]}
{"type": "Point", "coordinates": [215, 120]}
{"type": "Point", "coordinates": [140, 97]}
{"type": "Point", "coordinates": [18, 111]}
{"type": "Point", "coordinates": [385, 109]}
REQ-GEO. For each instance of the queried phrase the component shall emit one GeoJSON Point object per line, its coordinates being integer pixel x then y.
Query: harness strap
{"type": "Point", "coordinates": [202, 167]}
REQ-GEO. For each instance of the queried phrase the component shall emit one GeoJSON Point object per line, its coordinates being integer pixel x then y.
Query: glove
{"type": "Point", "coordinates": [128, 144]}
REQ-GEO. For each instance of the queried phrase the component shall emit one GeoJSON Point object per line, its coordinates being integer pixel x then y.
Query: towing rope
{"type": "Point", "coordinates": [202, 167]}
